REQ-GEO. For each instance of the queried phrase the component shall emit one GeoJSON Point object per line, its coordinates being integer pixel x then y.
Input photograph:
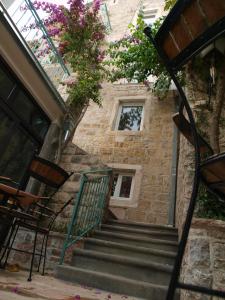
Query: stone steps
{"type": "Point", "coordinates": [112, 283]}
{"type": "Point", "coordinates": [139, 225]}
{"type": "Point", "coordinates": [136, 241]}
{"type": "Point", "coordinates": [159, 256]}
{"type": "Point", "coordinates": [122, 266]}
{"type": "Point", "coordinates": [155, 234]}
{"type": "Point", "coordinates": [130, 258]}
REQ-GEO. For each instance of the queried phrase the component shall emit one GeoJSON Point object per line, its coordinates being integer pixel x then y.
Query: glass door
{"type": "Point", "coordinates": [23, 126]}
{"type": "Point", "coordinates": [16, 148]}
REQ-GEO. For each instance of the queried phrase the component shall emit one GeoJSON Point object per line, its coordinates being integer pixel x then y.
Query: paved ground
{"type": "Point", "coordinates": [14, 286]}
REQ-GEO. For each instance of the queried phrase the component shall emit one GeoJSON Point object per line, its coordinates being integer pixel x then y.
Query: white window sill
{"type": "Point", "coordinates": [121, 202]}
{"type": "Point", "coordinates": [127, 132]}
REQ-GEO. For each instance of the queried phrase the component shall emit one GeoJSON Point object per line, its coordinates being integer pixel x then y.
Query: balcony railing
{"type": "Point", "coordinates": [30, 29]}
{"type": "Point", "coordinates": [27, 24]}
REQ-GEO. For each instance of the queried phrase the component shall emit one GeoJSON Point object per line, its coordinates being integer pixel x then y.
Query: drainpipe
{"type": "Point", "coordinates": [173, 176]}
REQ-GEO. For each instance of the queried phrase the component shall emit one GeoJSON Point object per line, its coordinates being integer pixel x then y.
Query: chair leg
{"type": "Point", "coordinates": [32, 259]}
{"type": "Point", "coordinates": [42, 247]}
{"type": "Point", "coordinates": [46, 242]}
{"type": "Point", "coordinates": [6, 245]}
{"type": "Point", "coordinates": [10, 243]}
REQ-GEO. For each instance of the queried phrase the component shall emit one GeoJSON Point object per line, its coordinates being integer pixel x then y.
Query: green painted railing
{"type": "Point", "coordinates": [89, 208]}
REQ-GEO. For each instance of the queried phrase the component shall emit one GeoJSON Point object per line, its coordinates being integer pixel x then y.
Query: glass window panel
{"type": "Point", "coordinates": [30, 113]}
{"type": "Point", "coordinates": [6, 85]}
{"type": "Point", "coordinates": [125, 186]}
{"type": "Point", "coordinates": [17, 149]}
{"type": "Point", "coordinates": [115, 179]}
{"type": "Point", "coordinates": [130, 118]}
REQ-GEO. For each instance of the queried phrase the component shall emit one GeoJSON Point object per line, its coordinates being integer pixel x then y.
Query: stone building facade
{"type": "Point", "coordinates": [204, 258]}
{"type": "Point", "coordinates": [144, 154]}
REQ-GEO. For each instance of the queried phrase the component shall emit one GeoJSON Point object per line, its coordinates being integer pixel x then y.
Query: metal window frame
{"type": "Point", "coordinates": [116, 194]}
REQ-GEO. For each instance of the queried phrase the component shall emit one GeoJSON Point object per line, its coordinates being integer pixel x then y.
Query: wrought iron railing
{"type": "Point", "coordinates": [89, 208]}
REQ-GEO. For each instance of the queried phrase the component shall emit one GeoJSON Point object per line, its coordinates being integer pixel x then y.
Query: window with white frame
{"type": "Point", "coordinates": [130, 117]}
{"type": "Point", "coordinates": [149, 16]}
{"type": "Point", "coordinates": [122, 185]}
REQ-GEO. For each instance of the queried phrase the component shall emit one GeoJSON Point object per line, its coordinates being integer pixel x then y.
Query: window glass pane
{"type": "Point", "coordinates": [115, 179]}
{"type": "Point", "coordinates": [17, 149]}
{"type": "Point", "coordinates": [30, 113]}
{"type": "Point", "coordinates": [125, 186]}
{"type": "Point", "coordinates": [6, 85]}
{"type": "Point", "coordinates": [130, 118]}
{"type": "Point", "coordinates": [149, 20]}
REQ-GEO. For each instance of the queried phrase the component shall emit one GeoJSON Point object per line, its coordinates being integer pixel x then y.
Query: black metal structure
{"type": "Point", "coordinates": [190, 27]}
{"type": "Point", "coordinates": [35, 214]}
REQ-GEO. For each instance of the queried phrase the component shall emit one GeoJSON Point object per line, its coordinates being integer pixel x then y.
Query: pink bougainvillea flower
{"type": "Point", "coordinates": [96, 5]}
{"type": "Point", "coordinates": [15, 290]}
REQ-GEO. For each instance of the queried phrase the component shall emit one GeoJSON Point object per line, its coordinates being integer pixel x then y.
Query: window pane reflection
{"type": "Point", "coordinates": [16, 151]}
{"type": "Point", "coordinates": [121, 185]}
{"type": "Point", "coordinates": [6, 85]}
{"type": "Point", "coordinates": [130, 118]}
{"type": "Point", "coordinates": [29, 113]}
{"type": "Point", "coordinates": [125, 186]}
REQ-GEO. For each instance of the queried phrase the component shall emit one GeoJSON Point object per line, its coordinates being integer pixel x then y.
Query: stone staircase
{"type": "Point", "coordinates": [125, 257]}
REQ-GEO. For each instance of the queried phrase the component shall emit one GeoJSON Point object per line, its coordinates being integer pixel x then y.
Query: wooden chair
{"type": "Point", "coordinates": [190, 27]}
{"type": "Point", "coordinates": [35, 216]}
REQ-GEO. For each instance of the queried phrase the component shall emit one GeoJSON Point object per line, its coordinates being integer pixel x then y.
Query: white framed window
{"type": "Point", "coordinates": [122, 185]}
{"type": "Point", "coordinates": [130, 117]}
{"type": "Point", "coordinates": [149, 16]}
{"type": "Point", "coordinates": [126, 185]}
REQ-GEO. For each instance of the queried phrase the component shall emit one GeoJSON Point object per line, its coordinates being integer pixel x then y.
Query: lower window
{"type": "Point", "coordinates": [122, 185]}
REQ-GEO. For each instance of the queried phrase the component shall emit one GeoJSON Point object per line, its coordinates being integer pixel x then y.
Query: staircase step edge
{"type": "Point", "coordinates": [157, 226]}
{"type": "Point", "coordinates": [128, 237]}
{"type": "Point", "coordinates": [108, 275]}
{"type": "Point", "coordinates": [123, 260]}
{"type": "Point", "coordinates": [144, 231]}
{"type": "Point", "coordinates": [132, 248]}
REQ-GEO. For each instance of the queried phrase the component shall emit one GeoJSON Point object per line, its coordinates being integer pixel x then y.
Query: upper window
{"type": "Point", "coordinates": [122, 184]}
{"type": "Point", "coordinates": [149, 16]}
{"type": "Point", "coordinates": [130, 117]}
{"type": "Point", "coordinates": [30, 113]}
{"type": "Point", "coordinates": [22, 105]}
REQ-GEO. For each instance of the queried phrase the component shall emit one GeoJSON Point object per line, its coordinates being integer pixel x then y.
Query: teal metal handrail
{"type": "Point", "coordinates": [89, 208]}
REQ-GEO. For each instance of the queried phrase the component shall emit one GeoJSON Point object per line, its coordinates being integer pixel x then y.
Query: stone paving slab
{"type": "Point", "coordinates": [14, 286]}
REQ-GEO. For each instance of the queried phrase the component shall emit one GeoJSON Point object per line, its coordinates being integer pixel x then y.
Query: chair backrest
{"type": "Point", "coordinates": [189, 27]}
{"type": "Point", "coordinates": [47, 172]}
{"type": "Point", "coordinates": [185, 128]}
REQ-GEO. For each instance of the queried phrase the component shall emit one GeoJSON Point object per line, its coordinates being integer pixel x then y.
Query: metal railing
{"type": "Point", "coordinates": [28, 26]}
{"type": "Point", "coordinates": [89, 208]}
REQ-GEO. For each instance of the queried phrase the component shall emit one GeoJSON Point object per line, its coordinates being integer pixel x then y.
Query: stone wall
{"type": "Point", "coordinates": [75, 160]}
{"type": "Point", "coordinates": [184, 180]}
{"type": "Point", "coordinates": [204, 262]}
{"type": "Point", "coordinates": [204, 259]}
{"type": "Point", "coordinates": [150, 149]}
{"type": "Point", "coordinates": [24, 241]}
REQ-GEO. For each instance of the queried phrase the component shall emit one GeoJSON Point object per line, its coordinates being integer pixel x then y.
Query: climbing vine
{"type": "Point", "coordinates": [79, 34]}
